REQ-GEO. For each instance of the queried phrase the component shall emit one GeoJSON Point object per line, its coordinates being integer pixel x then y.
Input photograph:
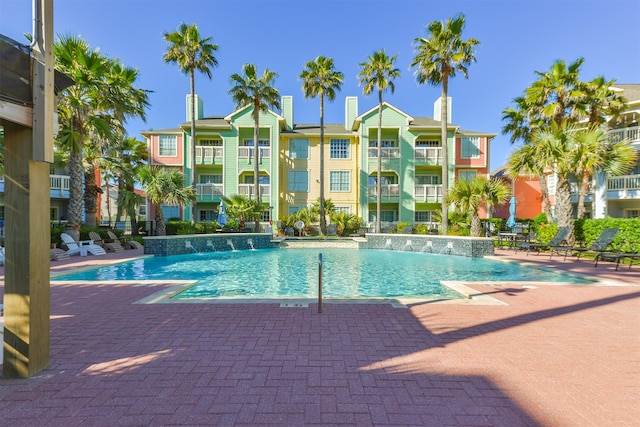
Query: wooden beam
{"type": "Point", "coordinates": [15, 113]}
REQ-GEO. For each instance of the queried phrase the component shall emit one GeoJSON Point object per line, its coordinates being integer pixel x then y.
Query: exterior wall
{"type": "Point", "coordinates": [190, 243]}
{"type": "Point", "coordinates": [474, 247]}
{"type": "Point", "coordinates": [528, 200]}
{"type": "Point", "coordinates": [153, 142]}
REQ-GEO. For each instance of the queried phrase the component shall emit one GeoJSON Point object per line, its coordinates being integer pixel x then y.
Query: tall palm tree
{"type": "Point", "coordinates": [164, 185]}
{"type": "Point", "coordinates": [259, 92]}
{"type": "Point", "coordinates": [191, 53]}
{"type": "Point", "coordinates": [81, 113]}
{"type": "Point", "coordinates": [467, 196]}
{"type": "Point", "coordinates": [378, 72]}
{"type": "Point", "coordinates": [319, 79]}
{"type": "Point", "coordinates": [600, 102]}
{"type": "Point", "coordinates": [439, 56]}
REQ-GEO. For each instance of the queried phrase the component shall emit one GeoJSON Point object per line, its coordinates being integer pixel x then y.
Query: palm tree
{"type": "Point", "coordinates": [241, 208]}
{"type": "Point", "coordinates": [594, 152]}
{"type": "Point", "coordinates": [378, 72]}
{"type": "Point", "coordinates": [191, 53]}
{"type": "Point", "coordinates": [600, 102]}
{"type": "Point", "coordinates": [80, 113]}
{"type": "Point", "coordinates": [259, 92]}
{"type": "Point", "coordinates": [319, 79]}
{"type": "Point", "coordinates": [467, 196]}
{"type": "Point", "coordinates": [438, 57]}
{"type": "Point", "coordinates": [164, 186]}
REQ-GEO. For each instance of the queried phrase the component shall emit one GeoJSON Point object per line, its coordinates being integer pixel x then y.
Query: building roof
{"type": "Point", "coordinates": [161, 131]}
{"type": "Point", "coordinates": [630, 91]}
{"type": "Point", "coordinates": [314, 129]}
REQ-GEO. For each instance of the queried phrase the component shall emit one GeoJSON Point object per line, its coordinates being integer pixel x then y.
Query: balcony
{"type": "Point", "coordinates": [428, 156]}
{"type": "Point", "coordinates": [389, 192]}
{"type": "Point", "coordinates": [59, 186]}
{"type": "Point", "coordinates": [207, 155]}
{"type": "Point", "coordinates": [247, 153]}
{"type": "Point", "coordinates": [624, 187]}
{"type": "Point", "coordinates": [630, 133]}
{"type": "Point", "coordinates": [385, 153]}
{"type": "Point", "coordinates": [209, 192]}
{"type": "Point", "coordinates": [247, 190]}
{"type": "Point", "coordinates": [428, 193]}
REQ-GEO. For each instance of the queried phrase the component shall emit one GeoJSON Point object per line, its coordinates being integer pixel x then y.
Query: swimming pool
{"type": "Point", "coordinates": [293, 273]}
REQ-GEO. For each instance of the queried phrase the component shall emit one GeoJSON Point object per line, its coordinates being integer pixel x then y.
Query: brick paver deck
{"type": "Point", "coordinates": [553, 356]}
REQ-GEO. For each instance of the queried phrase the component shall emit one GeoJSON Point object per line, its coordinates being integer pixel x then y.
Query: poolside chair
{"type": "Point", "coordinates": [109, 245]}
{"type": "Point", "coordinates": [600, 245]}
{"type": "Point", "coordinates": [332, 230]}
{"type": "Point", "coordinates": [126, 243]}
{"type": "Point", "coordinates": [617, 257]}
{"type": "Point", "coordinates": [82, 247]}
{"type": "Point", "coordinates": [556, 241]}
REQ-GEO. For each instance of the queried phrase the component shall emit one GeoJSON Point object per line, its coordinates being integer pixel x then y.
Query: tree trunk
{"type": "Point", "coordinates": [476, 225]}
{"type": "Point", "coordinates": [193, 144]}
{"type": "Point", "coordinates": [445, 152]}
{"type": "Point", "coordinates": [161, 228]}
{"type": "Point", "coordinates": [90, 196]}
{"type": "Point", "coordinates": [564, 207]}
{"type": "Point", "coordinates": [379, 171]}
{"type": "Point", "coordinates": [323, 220]}
{"type": "Point", "coordinates": [544, 193]}
{"type": "Point", "coordinates": [256, 159]}
{"type": "Point", "coordinates": [582, 195]}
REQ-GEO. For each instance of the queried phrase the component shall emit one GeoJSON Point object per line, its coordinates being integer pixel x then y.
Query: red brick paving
{"type": "Point", "coordinates": [553, 356]}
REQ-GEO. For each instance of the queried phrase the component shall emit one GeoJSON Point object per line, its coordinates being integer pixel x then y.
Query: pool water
{"type": "Point", "coordinates": [293, 273]}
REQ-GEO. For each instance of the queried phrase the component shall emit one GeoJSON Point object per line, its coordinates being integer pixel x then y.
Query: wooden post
{"type": "Point", "coordinates": [27, 227]}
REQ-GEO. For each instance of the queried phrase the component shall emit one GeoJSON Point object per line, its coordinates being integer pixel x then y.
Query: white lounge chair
{"type": "Point", "coordinates": [82, 247]}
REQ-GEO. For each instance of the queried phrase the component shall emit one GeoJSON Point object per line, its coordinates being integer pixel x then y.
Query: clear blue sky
{"type": "Point", "coordinates": [518, 37]}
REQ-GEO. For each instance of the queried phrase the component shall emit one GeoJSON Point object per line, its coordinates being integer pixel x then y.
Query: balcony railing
{"type": "Point", "coordinates": [207, 155]}
{"type": "Point", "coordinates": [430, 154]}
{"type": "Point", "coordinates": [248, 153]}
{"type": "Point", "coordinates": [387, 190]}
{"type": "Point", "coordinates": [389, 152]}
{"type": "Point", "coordinates": [248, 190]}
{"type": "Point", "coordinates": [624, 182]}
{"type": "Point", "coordinates": [428, 193]}
{"type": "Point", "coordinates": [575, 188]}
{"type": "Point", "coordinates": [631, 133]}
{"type": "Point", "coordinates": [209, 190]}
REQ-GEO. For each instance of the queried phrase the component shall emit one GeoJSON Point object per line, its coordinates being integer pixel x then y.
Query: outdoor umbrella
{"type": "Point", "coordinates": [511, 222]}
{"type": "Point", "coordinates": [222, 215]}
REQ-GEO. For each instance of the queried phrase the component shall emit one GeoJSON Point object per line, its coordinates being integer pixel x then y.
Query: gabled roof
{"type": "Point", "coordinates": [314, 130]}
{"type": "Point", "coordinates": [358, 120]}
{"type": "Point", "coordinates": [281, 120]}
{"type": "Point", "coordinates": [630, 91]}
{"type": "Point", "coordinates": [211, 122]}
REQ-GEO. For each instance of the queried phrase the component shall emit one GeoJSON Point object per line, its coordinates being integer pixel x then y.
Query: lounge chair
{"type": "Point", "coordinates": [556, 241]}
{"type": "Point", "coordinates": [82, 247]}
{"type": "Point", "coordinates": [109, 245]}
{"type": "Point", "coordinates": [126, 243]}
{"type": "Point", "coordinates": [600, 245]}
{"type": "Point", "coordinates": [617, 257]}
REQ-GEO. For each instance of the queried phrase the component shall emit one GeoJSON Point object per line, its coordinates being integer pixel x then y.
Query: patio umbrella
{"type": "Point", "coordinates": [222, 215]}
{"type": "Point", "coordinates": [511, 222]}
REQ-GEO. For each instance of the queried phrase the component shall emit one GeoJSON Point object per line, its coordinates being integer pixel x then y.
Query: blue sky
{"type": "Point", "coordinates": [518, 37]}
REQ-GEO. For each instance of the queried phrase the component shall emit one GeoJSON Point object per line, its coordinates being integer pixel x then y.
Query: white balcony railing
{"type": "Point", "coordinates": [428, 193]}
{"type": "Point", "coordinates": [631, 133]}
{"type": "Point", "coordinates": [209, 190]}
{"type": "Point", "coordinates": [575, 188]}
{"type": "Point", "coordinates": [624, 182]}
{"type": "Point", "coordinates": [389, 152]}
{"type": "Point", "coordinates": [206, 155]}
{"type": "Point", "coordinates": [248, 153]}
{"type": "Point", "coordinates": [433, 154]}
{"type": "Point", "coordinates": [387, 190]}
{"type": "Point", "coordinates": [248, 190]}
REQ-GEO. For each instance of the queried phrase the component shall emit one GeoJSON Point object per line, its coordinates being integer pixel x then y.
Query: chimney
{"type": "Point", "coordinates": [438, 105]}
{"type": "Point", "coordinates": [199, 108]}
{"type": "Point", "coordinates": [287, 110]}
{"type": "Point", "coordinates": [350, 111]}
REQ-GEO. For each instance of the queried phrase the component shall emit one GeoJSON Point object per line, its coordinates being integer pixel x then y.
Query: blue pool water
{"type": "Point", "coordinates": [293, 273]}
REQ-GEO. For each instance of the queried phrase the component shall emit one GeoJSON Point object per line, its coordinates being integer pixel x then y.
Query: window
{"type": "Point", "coordinates": [340, 181]}
{"type": "Point", "coordinates": [168, 145]}
{"type": "Point", "coordinates": [384, 180]}
{"type": "Point", "coordinates": [427, 180]}
{"type": "Point", "coordinates": [298, 181]}
{"type": "Point", "coordinates": [210, 179]}
{"type": "Point", "coordinates": [385, 216]}
{"type": "Point", "coordinates": [261, 143]}
{"type": "Point", "coordinates": [262, 179]}
{"type": "Point", "coordinates": [470, 148]}
{"type": "Point", "coordinates": [339, 149]}
{"type": "Point", "coordinates": [632, 213]}
{"type": "Point", "coordinates": [425, 216]}
{"type": "Point", "coordinates": [53, 213]}
{"type": "Point", "coordinates": [427, 143]}
{"type": "Point", "coordinates": [467, 175]}
{"type": "Point", "coordinates": [385, 143]}
{"type": "Point", "coordinates": [170, 211]}
{"type": "Point", "coordinates": [207, 215]}
{"type": "Point", "coordinates": [345, 209]}
{"type": "Point", "coordinates": [299, 148]}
